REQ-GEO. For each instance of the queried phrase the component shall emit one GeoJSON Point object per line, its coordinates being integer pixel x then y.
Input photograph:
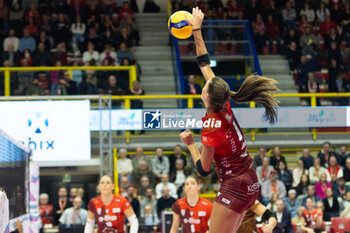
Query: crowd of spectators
{"type": "Point", "coordinates": [312, 35]}
{"type": "Point", "coordinates": [69, 33]}
{"type": "Point", "coordinates": [316, 189]}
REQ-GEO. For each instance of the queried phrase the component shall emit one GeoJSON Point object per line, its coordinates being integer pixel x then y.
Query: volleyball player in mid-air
{"type": "Point", "coordinates": [223, 141]}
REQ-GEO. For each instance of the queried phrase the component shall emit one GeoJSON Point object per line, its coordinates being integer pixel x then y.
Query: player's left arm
{"type": "Point", "coordinates": [202, 161]}
{"type": "Point", "coordinates": [134, 222]}
{"type": "Point", "coordinates": [266, 214]}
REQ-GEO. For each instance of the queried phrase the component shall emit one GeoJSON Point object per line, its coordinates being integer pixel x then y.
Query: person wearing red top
{"type": "Point", "coordinates": [109, 211]}
{"type": "Point", "coordinates": [223, 139]}
{"type": "Point", "coordinates": [125, 12]}
{"type": "Point", "coordinates": [192, 212]}
{"type": "Point", "coordinates": [273, 34]}
{"type": "Point", "coordinates": [327, 25]}
{"type": "Point", "coordinates": [334, 170]}
{"type": "Point", "coordinates": [45, 209]}
{"type": "Point", "coordinates": [311, 221]}
{"type": "Point", "coordinates": [233, 10]}
{"type": "Point", "coordinates": [33, 12]}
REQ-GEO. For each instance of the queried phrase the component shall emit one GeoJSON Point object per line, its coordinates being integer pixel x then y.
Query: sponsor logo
{"type": "Point", "coordinates": [39, 126]}
{"type": "Point", "coordinates": [226, 201]}
{"type": "Point", "coordinates": [152, 119]}
{"type": "Point", "coordinates": [192, 220]}
{"type": "Point", "coordinates": [183, 212]}
{"type": "Point", "coordinates": [321, 117]}
{"type": "Point", "coordinates": [99, 211]}
{"type": "Point", "coordinates": [116, 210]}
{"type": "Point", "coordinates": [254, 187]}
{"type": "Point", "coordinates": [228, 172]}
{"type": "Point", "coordinates": [101, 219]}
{"type": "Point", "coordinates": [202, 213]}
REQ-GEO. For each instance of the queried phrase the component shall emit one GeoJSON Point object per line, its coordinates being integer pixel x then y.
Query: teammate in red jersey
{"type": "Point", "coordinates": [223, 139]}
{"type": "Point", "coordinates": [109, 211]}
{"type": "Point", "coordinates": [192, 211]}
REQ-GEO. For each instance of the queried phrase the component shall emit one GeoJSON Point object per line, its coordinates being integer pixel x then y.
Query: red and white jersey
{"type": "Point", "coordinates": [111, 218]}
{"type": "Point", "coordinates": [221, 130]}
{"type": "Point", "coordinates": [194, 219]}
{"type": "Point", "coordinates": [311, 218]}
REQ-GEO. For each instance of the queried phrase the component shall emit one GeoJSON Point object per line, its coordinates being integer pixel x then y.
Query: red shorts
{"type": "Point", "coordinates": [239, 193]}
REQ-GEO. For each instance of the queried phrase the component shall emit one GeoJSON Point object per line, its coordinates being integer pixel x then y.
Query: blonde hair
{"type": "Point", "coordinates": [254, 88]}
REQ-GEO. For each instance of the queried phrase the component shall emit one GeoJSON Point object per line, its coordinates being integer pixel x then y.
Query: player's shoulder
{"type": "Point", "coordinates": [96, 200]}
{"type": "Point", "coordinates": [182, 201]}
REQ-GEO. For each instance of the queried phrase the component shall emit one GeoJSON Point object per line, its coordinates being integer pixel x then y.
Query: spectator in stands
{"type": "Point", "coordinates": [42, 57]}
{"type": "Point", "coordinates": [291, 36]}
{"type": "Point", "coordinates": [178, 154]}
{"type": "Point", "coordinates": [258, 159]}
{"type": "Point", "coordinates": [35, 88]}
{"type": "Point", "coordinates": [61, 204]}
{"type": "Point", "coordinates": [165, 182]}
{"type": "Point", "coordinates": [142, 170]}
{"type": "Point", "coordinates": [346, 211]}
{"type": "Point", "coordinates": [334, 53]}
{"type": "Point", "coordinates": [307, 159]}
{"type": "Point", "coordinates": [124, 37]}
{"type": "Point", "coordinates": [303, 185]}
{"type": "Point", "coordinates": [16, 17]}
{"type": "Point", "coordinates": [329, 37]}
{"type": "Point", "coordinates": [341, 87]}
{"type": "Point", "coordinates": [288, 16]}
{"type": "Point", "coordinates": [312, 87]}
{"type": "Point", "coordinates": [150, 7]}
{"type": "Point", "coordinates": [271, 186]}
{"type": "Point", "coordinates": [311, 194]}
{"type": "Point", "coordinates": [26, 42]}
{"type": "Point", "coordinates": [325, 154]}
{"type": "Point", "coordinates": [309, 43]}
{"type": "Point", "coordinates": [94, 38]}
{"type": "Point", "coordinates": [89, 83]}
{"type": "Point", "coordinates": [75, 214]}
{"type": "Point", "coordinates": [145, 184]}
{"type": "Point", "coordinates": [109, 54]}
{"type": "Point", "coordinates": [272, 204]}
{"type": "Point", "coordinates": [343, 155]}
{"type": "Point", "coordinates": [284, 217]}
{"type": "Point", "coordinates": [273, 34]}
{"type": "Point", "coordinates": [192, 88]}
{"type": "Point", "coordinates": [4, 11]}
{"type": "Point", "coordinates": [333, 70]}
{"type": "Point", "coordinates": [138, 157]}
{"type": "Point", "coordinates": [125, 11]}
{"type": "Point", "coordinates": [166, 201]}
{"type": "Point", "coordinates": [150, 218]}
{"type": "Point", "coordinates": [32, 12]}
{"type": "Point", "coordinates": [293, 55]}
{"type": "Point", "coordinates": [73, 193]}
{"type": "Point", "coordinates": [61, 29]}
{"type": "Point", "coordinates": [114, 88]}
{"type": "Point", "coordinates": [340, 189]}
{"type": "Point", "coordinates": [298, 172]}
{"type": "Point", "coordinates": [310, 13]}
{"type": "Point", "coordinates": [233, 10]}
{"type": "Point", "coordinates": [11, 40]}
{"type": "Point", "coordinates": [59, 54]}
{"type": "Point", "coordinates": [292, 203]}
{"type": "Point", "coordinates": [312, 218]}
{"type": "Point", "coordinates": [284, 175]}
{"type": "Point", "coordinates": [322, 12]}
{"type": "Point", "coordinates": [124, 184]}
{"type": "Point", "coordinates": [45, 209]}
{"type": "Point", "coordinates": [134, 202]}
{"type": "Point", "coordinates": [179, 175]}
{"type": "Point", "coordinates": [276, 158]}
{"type": "Point", "coordinates": [263, 171]}
{"type": "Point", "coordinates": [123, 52]}
{"type": "Point", "coordinates": [334, 170]}
{"type": "Point", "coordinates": [251, 10]}
{"type": "Point", "coordinates": [160, 164]}
{"type": "Point", "coordinates": [31, 27]}
{"type": "Point", "coordinates": [331, 205]}
{"type": "Point", "coordinates": [78, 29]}
{"type": "Point", "coordinates": [108, 38]}
{"type": "Point", "coordinates": [124, 165]}
{"type": "Point", "coordinates": [297, 219]}
{"type": "Point", "coordinates": [90, 54]}
{"type": "Point", "coordinates": [150, 200]}
{"type": "Point", "coordinates": [66, 86]}
{"type": "Point", "coordinates": [43, 38]}
{"type": "Point", "coordinates": [327, 25]}
{"type": "Point", "coordinates": [346, 170]}
{"type": "Point", "coordinates": [136, 90]}
{"type": "Point", "coordinates": [322, 186]}
{"type": "Point", "coordinates": [259, 33]}
{"type": "Point", "coordinates": [317, 170]}
{"type": "Point", "coordinates": [303, 24]}
{"type": "Point", "coordinates": [10, 55]}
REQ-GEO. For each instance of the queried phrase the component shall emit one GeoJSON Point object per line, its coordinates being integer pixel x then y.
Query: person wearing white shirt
{"type": "Point", "coordinates": [310, 13]}
{"type": "Point", "coordinates": [78, 30]}
{"type": "Point", "coordinates": [284, 219]}
{"type": "Point", "coordinates": [316, 171]}
{"type": "Point", "coordinates": [322, 12]}
{"type": "Point", "coordinates": [11, 39]}
{"type": "Point", "coordinates": [108, 54]}
{"type": "Point", "coordinates": [90, 54]}
{"type": "Point", "coordinates": [165, 182]}
{"type": "Point", "coordinates": [124, 165]}
{"type": "Point", "coordinates": [298, 172]}
{"type": "Point", "coordinates": [75, 214]}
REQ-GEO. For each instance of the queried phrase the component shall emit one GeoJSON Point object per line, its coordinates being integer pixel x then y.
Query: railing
{"type": "Point", "coordinates": [8, 70]}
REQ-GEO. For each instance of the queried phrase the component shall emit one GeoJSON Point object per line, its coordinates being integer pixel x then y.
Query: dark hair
{"type": "Point", "coordinates": [254, 88]}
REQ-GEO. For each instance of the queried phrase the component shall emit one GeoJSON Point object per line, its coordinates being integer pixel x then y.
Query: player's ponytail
{"type": "Point", "coordinates": [254, 88]}
{"type": "Point", "coordinates": [258, 89]}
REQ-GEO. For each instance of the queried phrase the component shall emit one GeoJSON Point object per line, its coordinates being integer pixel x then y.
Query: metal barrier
{"type": "Point", "coordinates": [8, 70]}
